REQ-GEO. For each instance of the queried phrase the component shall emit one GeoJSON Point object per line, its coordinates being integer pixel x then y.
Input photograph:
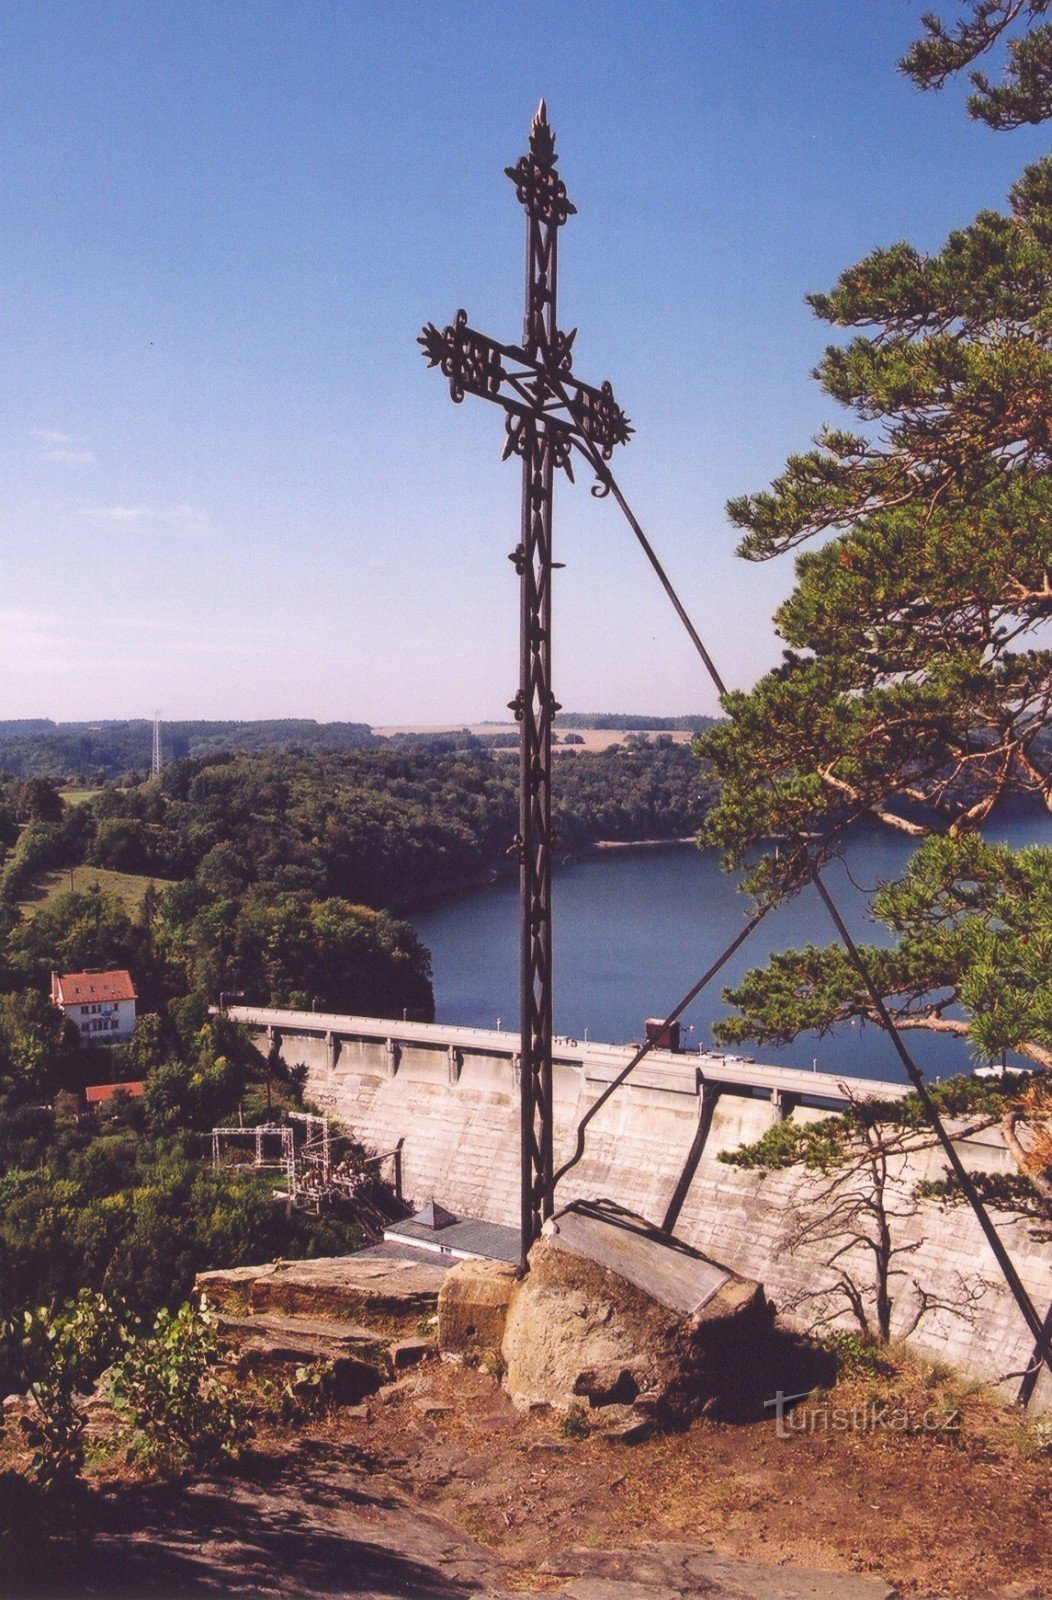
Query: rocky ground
{"type": "Point", "coordinates": [426, 1481]}
{"type": "Point", "coordinates": [437, 1486]}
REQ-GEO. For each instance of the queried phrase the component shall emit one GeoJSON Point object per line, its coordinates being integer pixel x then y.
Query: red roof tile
{"type": "Point", "coordinates": [97, 1093]}
{"type": "Point", "coordinates": [80, 988]}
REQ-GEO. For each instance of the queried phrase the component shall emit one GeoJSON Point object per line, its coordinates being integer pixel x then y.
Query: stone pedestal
{"type": "Point", "coordinates": [473, 1306]}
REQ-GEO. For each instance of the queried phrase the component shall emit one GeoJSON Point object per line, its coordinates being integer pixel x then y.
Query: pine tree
{"type": "Point", "coordinates": [916, 684]}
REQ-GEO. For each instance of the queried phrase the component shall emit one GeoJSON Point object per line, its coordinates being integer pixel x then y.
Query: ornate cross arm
{"type": "Point", "coordinates": [526, 386]}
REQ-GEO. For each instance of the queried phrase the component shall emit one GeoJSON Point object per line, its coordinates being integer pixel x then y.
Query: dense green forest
{"type": "Point", "coordinates": [382, 828]}
{"type": "Point", "coordinates": [282, 876]}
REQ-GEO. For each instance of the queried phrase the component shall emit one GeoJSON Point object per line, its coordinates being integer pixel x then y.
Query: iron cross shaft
{"type": "Point", "coordinates": [549, 413]}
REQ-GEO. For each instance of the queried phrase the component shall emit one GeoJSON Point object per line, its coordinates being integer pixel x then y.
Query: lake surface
{"type": "Point", "coordinates": [633, 931]}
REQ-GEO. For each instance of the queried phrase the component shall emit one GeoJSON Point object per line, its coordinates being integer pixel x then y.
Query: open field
{"type": "Point", "coordinates": [594, 738]}
{"type": "Point", "coordinates": [78, 797]}
{"type": "Point", "coordinates": [129, 887]}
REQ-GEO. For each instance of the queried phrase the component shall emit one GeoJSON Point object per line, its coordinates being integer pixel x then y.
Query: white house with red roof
{"type": "Point", "coordinates": [100, 1004]}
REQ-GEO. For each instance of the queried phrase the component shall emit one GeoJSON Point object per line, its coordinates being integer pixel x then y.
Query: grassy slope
{"type": "Point", "coordinates": [129, 887]}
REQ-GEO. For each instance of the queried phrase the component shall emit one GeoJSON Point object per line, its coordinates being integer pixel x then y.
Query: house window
{"type": "Point", "coordinates": [83, 1011]}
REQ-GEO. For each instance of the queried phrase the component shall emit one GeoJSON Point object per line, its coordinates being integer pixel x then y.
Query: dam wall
{"type": "Point", "coordinates": [449, 1099]}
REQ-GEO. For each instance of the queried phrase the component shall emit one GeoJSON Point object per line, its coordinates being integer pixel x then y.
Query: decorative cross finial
{"type": "Point", "coordinates": [537, 184]}
{"type": "Point", "coordinates": [533, 381]}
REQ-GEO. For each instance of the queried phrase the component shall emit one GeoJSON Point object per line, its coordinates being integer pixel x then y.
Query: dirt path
{"type": "Point", "coordinates": [317, 1522]}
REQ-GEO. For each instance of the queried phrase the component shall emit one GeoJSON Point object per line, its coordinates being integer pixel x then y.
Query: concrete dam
{"type": "Point", "coordinates": [448, 1098]}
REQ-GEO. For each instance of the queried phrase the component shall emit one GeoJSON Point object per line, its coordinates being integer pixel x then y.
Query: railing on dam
{"type": "Point", "coordinates": [599, 1061]}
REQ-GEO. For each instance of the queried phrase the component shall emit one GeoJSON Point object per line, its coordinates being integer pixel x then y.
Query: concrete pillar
{"type": "Point", "coordinates": [783, 1105]}
{"type": "Point", "coordinates": [516, 1071]}
{"type": "Point", "coordinates": [393, 1056]}
{"type": "Point", "coordinates": [456, 1062]}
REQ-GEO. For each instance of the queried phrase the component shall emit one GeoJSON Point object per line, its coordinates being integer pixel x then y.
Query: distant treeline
{"type": "Point", "coordinates": [625, 722]}
{"type": "Point", "coordinates": [94, 753]}
{"type": "Point", "coordinates": [99, 751]}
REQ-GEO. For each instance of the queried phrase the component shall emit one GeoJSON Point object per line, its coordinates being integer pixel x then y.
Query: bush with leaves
{"type": "Point", "coordinates": [168, 1387]}
{"type": "Point", "coordinates": [62, 1357]}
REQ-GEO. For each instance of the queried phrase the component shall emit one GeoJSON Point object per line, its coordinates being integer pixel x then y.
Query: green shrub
{"type": "Point", "coordinates": [61, 1359]}
{"type": "Point", "coordinates": [167, 1387]}
{"type": "Point", "coordinates": [855, 1353]}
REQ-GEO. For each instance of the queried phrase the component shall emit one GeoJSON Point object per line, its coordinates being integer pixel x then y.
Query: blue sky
{"type": "Point", "coordinates": [229, 486]}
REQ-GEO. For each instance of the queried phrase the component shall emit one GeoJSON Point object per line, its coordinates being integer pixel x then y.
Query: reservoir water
{"type": "Point", "coordinates": [634, 929]}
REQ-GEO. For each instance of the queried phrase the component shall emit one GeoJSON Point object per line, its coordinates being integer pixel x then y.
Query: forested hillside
{"type": "Point", "coordinates": [284, 876]}
{"type": "Point", "coordinates": [101, 752]}
{"type": "Point", "coordinates": [381, 828]}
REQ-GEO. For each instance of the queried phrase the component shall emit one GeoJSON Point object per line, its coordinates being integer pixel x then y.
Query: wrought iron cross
{"type": "Point", "coordinates": [549, 413]}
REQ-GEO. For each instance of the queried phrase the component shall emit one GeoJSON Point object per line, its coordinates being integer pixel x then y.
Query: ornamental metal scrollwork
{"type": "Point", "coordinates": [538, 186]}
{"type": "Point", "coordinates": [541, 190]}
{"type": "Point", "coordinates": [560, 445]}
{"type": "Point", "coordinates": [468, 359]}
{"type": "Point", "coordinates": [561, 355]}
{"type": "Point", "coordinates": [516, 440]}
{"type": "Point", "coordinates": [559, 439]}
{"type": "Point", "coordinates": [599, 417]}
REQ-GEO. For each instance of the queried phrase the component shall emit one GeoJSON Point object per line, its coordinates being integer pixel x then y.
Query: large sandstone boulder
{"type": "Point", "coordinates": [613, 1313]}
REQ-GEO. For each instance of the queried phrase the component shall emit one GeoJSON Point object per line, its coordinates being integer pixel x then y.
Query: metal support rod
{"type": "Point", "coordinates": [535, 841]}
{"type": "Point", "coordinates": [610, 486]}
{"type": "Point", "coordinates": [1040, 1354]}
{"type": "Point", "coordinates": [960, 1172]}
{"type": "Point", "coordinates": [645, 1048]}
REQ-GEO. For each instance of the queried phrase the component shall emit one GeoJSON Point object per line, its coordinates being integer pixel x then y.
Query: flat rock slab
{"type": "Point", "coordinates": [385, 1294]}
{"type": "Point", "coordinates": [683, 1572]}
{"type": "Point", "coordinates": [312, 1527]}
{"type": "Point", "coordinates": [317, 1530]}
{"type": "Point", "coordinates": [329, 1335]}
{"type": "Point", "coordinates": [670, 1272]}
